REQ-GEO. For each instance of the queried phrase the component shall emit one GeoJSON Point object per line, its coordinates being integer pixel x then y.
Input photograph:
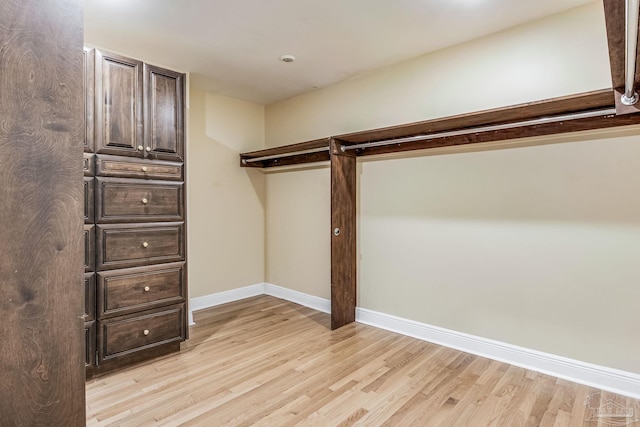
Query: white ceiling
{"type": "Point", "coordinates": [232, 47]}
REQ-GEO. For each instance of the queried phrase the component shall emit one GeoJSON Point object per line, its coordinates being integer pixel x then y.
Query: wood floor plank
{"type": "Point", "coordinates": [263, 361]}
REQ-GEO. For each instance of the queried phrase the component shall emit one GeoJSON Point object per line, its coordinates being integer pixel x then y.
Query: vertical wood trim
{"type": "Point", "coordinates": [41, 198]}
{"type": "Point", "coordinates": [614, 13]}
{"type": "Point", "coordinates": [89, 56]}
{"type": "Point", "coordinates": [343, 246]}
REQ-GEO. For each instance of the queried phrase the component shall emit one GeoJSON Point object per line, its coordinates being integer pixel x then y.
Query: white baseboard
{"type": "Point", "coordinates": [617, 381]}
{"type": "Point", "coordinates": [317, 303]}
{"type": "Point", "coordinates": [614, 380]}
{"type": "Point", "coordinates": [200, 303]}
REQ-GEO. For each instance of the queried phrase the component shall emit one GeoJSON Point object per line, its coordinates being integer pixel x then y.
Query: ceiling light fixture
{"type": "Point", "coordinates": [287, 58]}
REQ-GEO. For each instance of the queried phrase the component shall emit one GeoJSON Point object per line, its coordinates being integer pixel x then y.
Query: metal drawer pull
{"type": "Point", "coordinates": [144, 200]}
{"type": "Point", "coordinates": [144, 169]}
{"type": "Point", "coordinates": [147, 289]}
{"type": "Point", "coordinates": [140, 147]}
{"type": "Point", "coordinates": [145, 332]}
{"type": "Point", "coordinates": [145, 244]}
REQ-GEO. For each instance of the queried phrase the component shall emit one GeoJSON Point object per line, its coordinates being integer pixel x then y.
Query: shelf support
{"type": "Point", "coordinates": [343, 236]}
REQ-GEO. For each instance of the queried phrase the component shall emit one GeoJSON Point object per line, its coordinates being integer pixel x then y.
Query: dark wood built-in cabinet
{"type": "Point", "coordinates": [118, 107]}
{"type": "Point", "coordinates": [135, 279]}
{"type": "Point", "coordinates": [163, 105]}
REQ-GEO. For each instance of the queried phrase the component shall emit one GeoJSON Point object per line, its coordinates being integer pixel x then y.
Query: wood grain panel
{"type": "Point", "coordinates": [343, 245]}
{"type": "Point", "coordinates": [164, 113]}
{"type": "Point", "coordinates": [41, 146]}
{"type": "Point", "coordinates": [118, 105]}
{"type": "Point", "coordinates": [122, 167]}
{"type": "Point", "coordinates": [129, 200]}
{"type": "Point", "coordinates": [134, 289]}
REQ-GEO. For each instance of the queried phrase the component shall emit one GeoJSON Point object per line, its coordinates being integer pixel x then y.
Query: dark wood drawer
{"type": "Point", "coordinates": [131, 200]}
{"type": "Point", "coordinates": [90, 344]}
{"type": "Point", "coordinates": [88, 164]}
{"type": "Point", "coordinates": [88, 200]}
{"type": "Point", "coordinates": [134, 289]}
{"type": "Point", "coordinates": [133, 245]}
{"type": "Point", "coordinates": [127, 334]}
{"type": "Point", "coordinates": [89, 297]}
{"type": "Point", "coordinates": [122, 167]}
{"type": "Point", "coordinates": [89, 247]}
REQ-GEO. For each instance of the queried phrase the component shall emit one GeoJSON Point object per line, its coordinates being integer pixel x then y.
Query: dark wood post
{"type": "Point", "coordinates": [41, 215]}
{"type": "Point", "coordinates": [343, 236]}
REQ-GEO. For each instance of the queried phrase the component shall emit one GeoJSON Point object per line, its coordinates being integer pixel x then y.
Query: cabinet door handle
{"type": "Point", "coordinates": [140, 148]}
{"type": "Point", "coordinates": [145, 332]}
{"type": "Point", "coordinates": [145, 244]}
{"type": "Point", "coordinates": [144, 200]}
{"type": "Point", "coordinates": [147, 289]}
{"type": "Point", "coordinates": [148, 148]}
{"type": "Point", "coordinates": [144, 169]}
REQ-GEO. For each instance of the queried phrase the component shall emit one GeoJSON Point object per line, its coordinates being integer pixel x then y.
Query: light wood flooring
{"type": "Point", "coordinates": [267, 362]}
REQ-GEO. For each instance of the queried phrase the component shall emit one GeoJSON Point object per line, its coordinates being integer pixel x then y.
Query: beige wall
{"type": "Point", "coordinates": [561, 55]}
{"type": "Point", "coordinates": [226, 203]}
{"type": "Point", "coordinates": [533, 246]}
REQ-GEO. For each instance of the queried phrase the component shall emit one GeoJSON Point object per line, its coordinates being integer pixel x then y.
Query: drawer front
{"type": "Point", "coordinates": [89, 297]}
{"type": "Point", "coordinates": [134, 289]}
{"type": "Point", "coordinates": [88, 200]}
{"type": "Point", "coordinates": [89, 247]}
{"type": "Point", "coordinates": [129, 200]}
{"type": "Point", "coordinates": [132, 245]}
{"type": "Point", "coordinates": [90, 344]}
{"type": "Point", "coordinates": [127, 334]}
{"type": "Point", "coordinates": [120, 167]}
{"type": "Point", "coordinates": [88, 164]}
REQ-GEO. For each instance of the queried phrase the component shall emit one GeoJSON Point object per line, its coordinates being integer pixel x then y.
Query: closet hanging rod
{"type": "Point", "coordinates": [279, 156]}
{"type": "Point", "coordinates": [543, 120]}
{"type": "Point", "coordinates": [630, 96]}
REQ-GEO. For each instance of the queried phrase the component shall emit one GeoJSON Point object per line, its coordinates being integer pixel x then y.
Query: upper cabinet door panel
{"type": "Point", "coordinates": [164, 113]}
{"type": "Point", "coordinates": [88, 56]}
{"type": "Point", "coordinates": [118, 105]}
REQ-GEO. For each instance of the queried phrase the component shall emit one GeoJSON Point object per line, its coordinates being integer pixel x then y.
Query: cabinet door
{"type": "Point", "coordinates": [88, 56]}
{"type": "Point", "coordinates": [164, 114]}
{"type": "Point", "coordinates": [118, 105]}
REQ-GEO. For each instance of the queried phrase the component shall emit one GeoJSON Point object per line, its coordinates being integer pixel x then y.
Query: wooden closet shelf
{"type": "Point", "coordinates": [584, 111]}
{"type": "Point", "coordinates": [293, 154]}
